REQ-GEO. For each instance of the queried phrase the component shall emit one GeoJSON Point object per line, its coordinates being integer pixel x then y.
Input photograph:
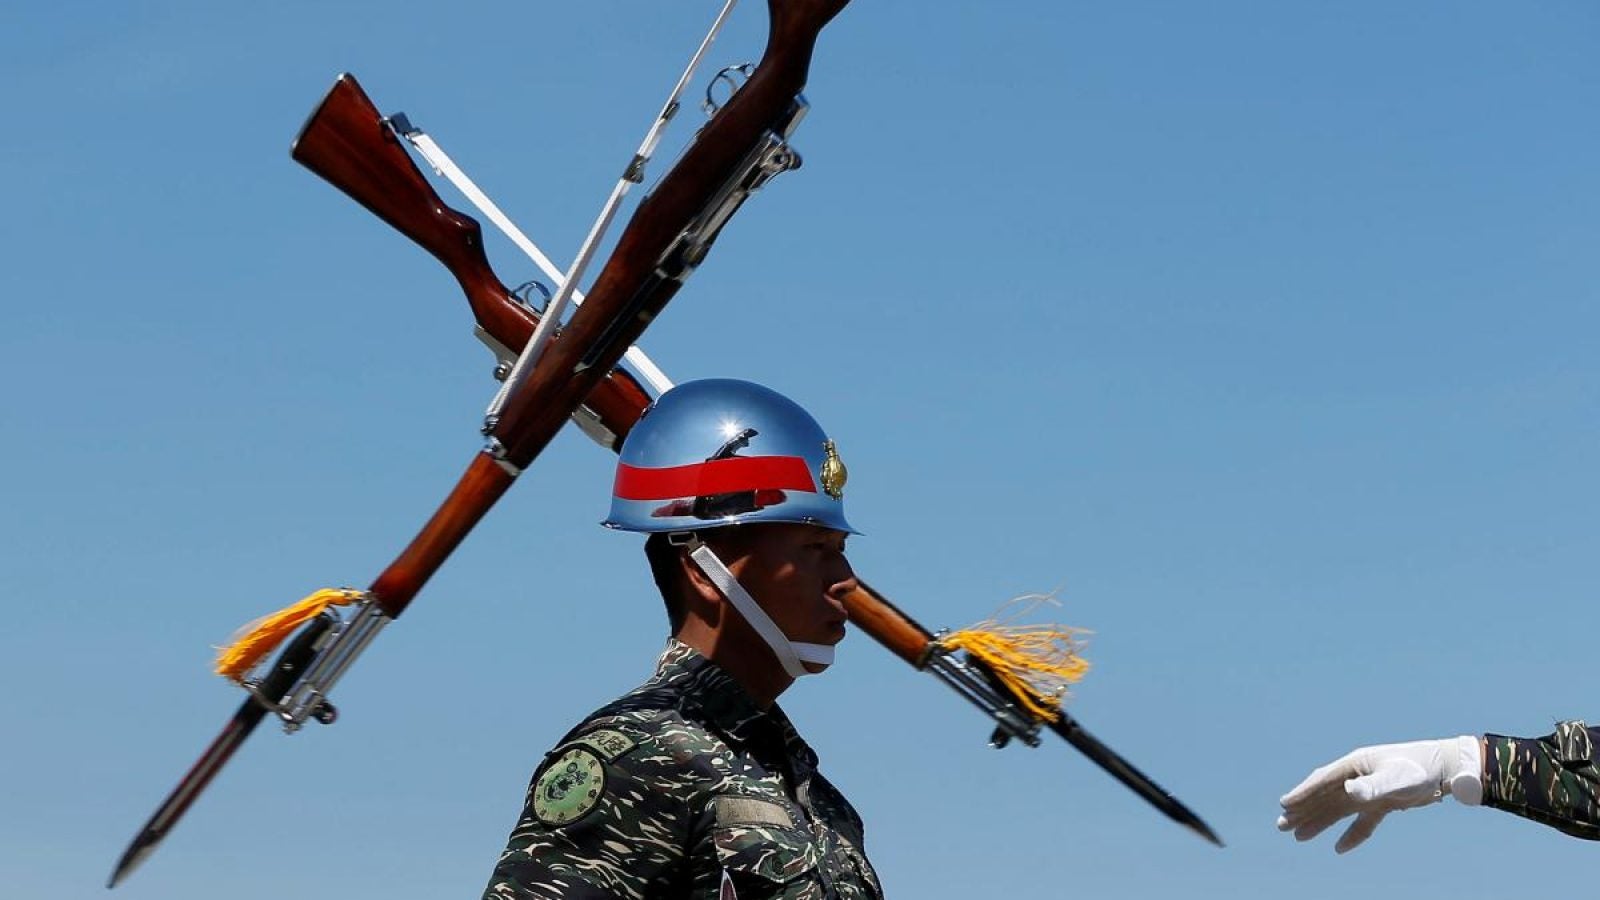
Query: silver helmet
{"type": "Point", "coordinates": [723, 452]}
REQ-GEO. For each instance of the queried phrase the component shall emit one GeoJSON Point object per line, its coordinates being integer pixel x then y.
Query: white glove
{"type": "Point", "coordinates": [1372, 782]}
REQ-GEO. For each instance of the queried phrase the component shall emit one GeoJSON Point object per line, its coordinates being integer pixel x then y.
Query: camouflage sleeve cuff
{"type": "Point", "coordinates": [1554, 780]}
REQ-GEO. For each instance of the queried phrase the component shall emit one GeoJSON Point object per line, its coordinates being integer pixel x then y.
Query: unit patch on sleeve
{"type": "Point", "coordinates": [569, 787]}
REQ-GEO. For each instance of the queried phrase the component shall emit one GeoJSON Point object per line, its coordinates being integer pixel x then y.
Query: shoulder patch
{"type": "Point", "coordinates": [570, 786]}
{"type": "Point", "coordinates": [735, 810]}
{"type": "Point", "coordinates": [607, 743]}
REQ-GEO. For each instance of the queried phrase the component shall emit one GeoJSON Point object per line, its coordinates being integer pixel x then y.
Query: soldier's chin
{"type": "Point", "coordinates": [815, 668]}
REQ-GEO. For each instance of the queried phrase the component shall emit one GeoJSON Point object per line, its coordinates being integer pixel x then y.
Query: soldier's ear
{"type": "Point", "coordinates": [700, 589]}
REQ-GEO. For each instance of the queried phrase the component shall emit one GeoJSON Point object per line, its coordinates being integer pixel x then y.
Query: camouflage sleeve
{"type": "Point", "coordinates": [1554, 780]}
{"type": "Point", "coordinates": [602, 821]}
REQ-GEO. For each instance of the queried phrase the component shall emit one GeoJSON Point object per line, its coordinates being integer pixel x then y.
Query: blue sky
{"type": "Point", "coordinates": [1265, 333]}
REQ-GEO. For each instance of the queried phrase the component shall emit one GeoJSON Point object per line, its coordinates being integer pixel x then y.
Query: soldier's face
{"type": "Point", "coordinates": [799, 575]}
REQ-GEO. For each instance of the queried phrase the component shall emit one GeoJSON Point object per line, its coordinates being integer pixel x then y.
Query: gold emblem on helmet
{"type": "Point", "coordinates": [833, 472]}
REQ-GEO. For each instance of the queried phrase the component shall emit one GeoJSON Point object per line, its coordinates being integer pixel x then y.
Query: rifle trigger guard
{"type": "Point", "coordinates": [524, 294]}
{"type": "Point", "coordinates": [726, 76]}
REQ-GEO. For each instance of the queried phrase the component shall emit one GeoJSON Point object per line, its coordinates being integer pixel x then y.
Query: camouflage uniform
{"type": "Point", "coordinates": [684, 788]}
{"type": "Point", "coordinates": [1554, 779]}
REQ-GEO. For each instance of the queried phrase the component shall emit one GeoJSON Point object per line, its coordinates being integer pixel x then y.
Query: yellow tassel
{"type": "Point", "coordinates": [260, 637]}
{"type": "Point", "coordinates": [1037, 662]}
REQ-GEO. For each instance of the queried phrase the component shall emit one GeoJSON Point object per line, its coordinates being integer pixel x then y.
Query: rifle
{"type": "Point", "coordinates": [665, 239]}
{"type": "Point", "coordinates": [375, 170]}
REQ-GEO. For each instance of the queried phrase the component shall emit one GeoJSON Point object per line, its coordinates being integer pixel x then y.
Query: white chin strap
{"type": "Point", "coordinates": [790, 653]}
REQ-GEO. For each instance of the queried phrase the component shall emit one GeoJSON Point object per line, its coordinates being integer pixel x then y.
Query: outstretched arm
{"type": "Point", "coordinates": [1554, 780]}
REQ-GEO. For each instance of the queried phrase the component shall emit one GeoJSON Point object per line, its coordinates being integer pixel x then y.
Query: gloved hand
{"type": "Point", "coordinates": [1372, 782]}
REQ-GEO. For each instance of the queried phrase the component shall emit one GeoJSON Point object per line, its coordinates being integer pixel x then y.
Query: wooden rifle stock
{"type": "Point", "coordinates": [349, 144]}
{"type": "Point", "coordinates": [874, 614]}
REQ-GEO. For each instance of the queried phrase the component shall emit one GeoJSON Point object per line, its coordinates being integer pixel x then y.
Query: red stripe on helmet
{"type": "Point", "coordinates": [718, 476]}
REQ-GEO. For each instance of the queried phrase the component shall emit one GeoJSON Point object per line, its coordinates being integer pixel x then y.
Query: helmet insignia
{"type": "Point", "coordinates": [833, 474]}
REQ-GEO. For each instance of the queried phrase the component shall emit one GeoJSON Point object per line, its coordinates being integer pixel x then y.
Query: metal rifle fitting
{"type": "Point", "coordinates": [307, 697]}
{"type": "Point", "coordinates": [771, 157]}
{"type": "Point", "coordinates": [970, 681]}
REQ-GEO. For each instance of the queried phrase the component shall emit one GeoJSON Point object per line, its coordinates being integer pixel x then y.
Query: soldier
{"type": "Point", "coordinates": [695, 784]}
{"type": "Point", "coordinates": [1554, 780]}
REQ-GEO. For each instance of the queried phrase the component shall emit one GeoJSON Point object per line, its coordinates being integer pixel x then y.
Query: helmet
{"type": "Point", "coordinates": [723, 452]}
